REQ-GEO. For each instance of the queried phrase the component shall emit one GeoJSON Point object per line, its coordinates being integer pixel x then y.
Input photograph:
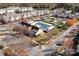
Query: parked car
{"type": "Point", "coordinates": [2, 20]}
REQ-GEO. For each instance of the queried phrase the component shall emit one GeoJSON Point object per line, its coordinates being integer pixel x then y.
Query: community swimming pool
{"type": "Point", "coordinates": [44, 26]}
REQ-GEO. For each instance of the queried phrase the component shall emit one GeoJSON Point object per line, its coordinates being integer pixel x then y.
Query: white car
{"type": "Point", "coordinates": [34, 14]}
{"type": "Point", "coordinates": [29, 15]}
{"type": "Point", "coordinates": [10, 10]}
{"type": "Point", "coordinates": [18, 17]}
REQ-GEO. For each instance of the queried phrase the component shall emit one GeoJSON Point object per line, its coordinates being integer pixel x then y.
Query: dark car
{"type": "Point", "coordinates": [77, 26]}
{"type": "Point", "coordinates": [47, 50]}
{"type": "Point", "coordinates": [2, 20]}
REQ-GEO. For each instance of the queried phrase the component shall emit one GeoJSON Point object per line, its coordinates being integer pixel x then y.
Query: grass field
{"type": "Point", "coordinates": [46, 36]}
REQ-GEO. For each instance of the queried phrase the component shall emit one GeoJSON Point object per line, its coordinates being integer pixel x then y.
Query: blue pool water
{"type": "Point", "coordinates": [42, 26]}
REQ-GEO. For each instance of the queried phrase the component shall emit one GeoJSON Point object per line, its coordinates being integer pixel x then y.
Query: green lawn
{"type": "Point", "coordinates": [48, 19]}
{"type": "Point", "coordinates": [43, 38]}
{"type": "Point", "coordinates": [55, 31]}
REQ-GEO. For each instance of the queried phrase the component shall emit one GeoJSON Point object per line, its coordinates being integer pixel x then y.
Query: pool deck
{"type": "Point", "coordinates": [49, 28]}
